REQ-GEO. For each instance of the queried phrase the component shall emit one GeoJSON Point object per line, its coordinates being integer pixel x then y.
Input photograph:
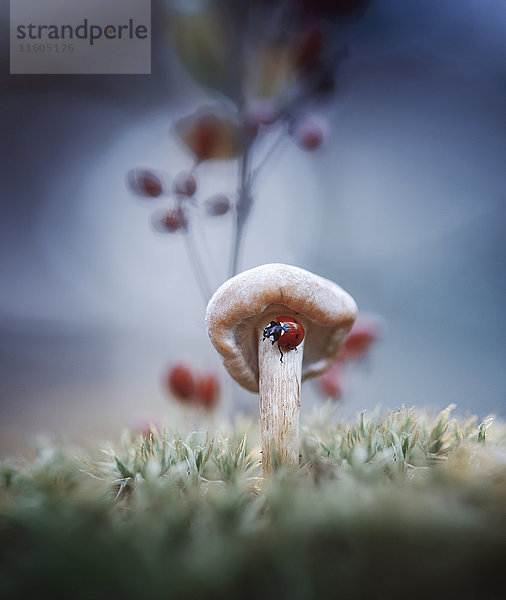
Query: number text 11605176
{"type": "Point", "coordinates": [45, 48]}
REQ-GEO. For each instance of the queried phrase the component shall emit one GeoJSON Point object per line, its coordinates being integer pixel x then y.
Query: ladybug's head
{"type": "Point", "coordinates": [273, 330]}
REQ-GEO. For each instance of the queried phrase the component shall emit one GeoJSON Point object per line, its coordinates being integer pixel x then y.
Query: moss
{"type": "Point", "coordinates": [391, 505]}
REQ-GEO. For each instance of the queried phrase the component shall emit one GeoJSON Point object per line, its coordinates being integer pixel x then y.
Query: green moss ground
{"type": "Point", "coordinates": [395, 506]}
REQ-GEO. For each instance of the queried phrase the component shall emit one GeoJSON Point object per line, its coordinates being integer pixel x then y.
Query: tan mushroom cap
{"type": "Point", "coordinates": [245, 304]}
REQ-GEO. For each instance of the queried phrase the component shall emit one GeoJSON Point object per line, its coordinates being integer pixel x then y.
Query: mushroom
{"type": "Point", "coordinates": [237, 316]}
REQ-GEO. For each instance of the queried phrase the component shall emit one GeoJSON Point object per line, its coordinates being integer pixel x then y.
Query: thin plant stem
{"type": "Point", "coordinates": [197, 265]}
{"type": "Point", "coordinates": [242, 208]}
{"type": "Point", "coordinates": [236, 244]}
{"type": "Point", "coordinates": [202, 234]}
{"type": "Point", "coordinates": [269, 154]}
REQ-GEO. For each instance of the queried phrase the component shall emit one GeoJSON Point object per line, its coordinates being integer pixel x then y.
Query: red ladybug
{"type": "Point", "coordinates": [287, 331]}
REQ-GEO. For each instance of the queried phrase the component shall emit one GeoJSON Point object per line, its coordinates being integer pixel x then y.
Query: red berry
{"type": "Point", "coordinates": [173, 220]}
{"type": "Point", "coordinates": [364, 333]}
{"type": "Point", "coordinates": [358, 343]}
{"type": "Point", "coordinates": [207, 390]}
{"type": "Point", "coordinates": [181, 383]}
{"type": "Point", "coordinates": [185, 184]}
{"type": "Point", "coordinates": [329, 382]}
{"type": "Point", "coordinates": [145, 183]}
{"type": "Point", "coordinates": [217, 205]}
{"type": "Point", "coordinates": [330, 387]}
{"type": "Point", "coordinates": [309, 133]}
{"type": "Point", "coordinates": [169, 221]}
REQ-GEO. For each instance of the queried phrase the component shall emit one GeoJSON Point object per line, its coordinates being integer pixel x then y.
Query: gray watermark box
{"type": "Point", "coordinates": [80, 36]}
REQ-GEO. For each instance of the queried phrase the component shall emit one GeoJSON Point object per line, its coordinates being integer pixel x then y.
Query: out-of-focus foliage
{"type": "Point", "coordinates": [202, 36]}
{"type": "Point", "coordinates": [416, 504]}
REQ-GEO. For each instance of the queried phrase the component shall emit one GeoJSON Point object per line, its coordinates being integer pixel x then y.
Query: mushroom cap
{"type": "Point", "coordinates": [245, 304]}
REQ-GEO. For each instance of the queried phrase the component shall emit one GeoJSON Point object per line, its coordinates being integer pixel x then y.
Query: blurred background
{"type": "Point", "coordinates": [403, 206]}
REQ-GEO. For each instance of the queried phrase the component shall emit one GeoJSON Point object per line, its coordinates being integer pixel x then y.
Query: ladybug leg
{"type": "Point", "coordinates": [281, 352]}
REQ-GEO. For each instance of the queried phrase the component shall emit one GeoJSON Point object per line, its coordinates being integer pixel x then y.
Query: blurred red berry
{"type": "Point", "coordinates": [145, 183]}
{"type": "Point", "coordinates": [185, 184]}
{"type": "Point", "coordinates": [330, 382]}
{"type": "Point", "coordinates": [169, 221]}
{"type": "Point", "coordinates": [207, 390]}
{"type": "Point", "coordinates": [364, 333]}
{"type": "Point", "coordinates": [309, 133]}
{"type": "Point", "coordinates": [217, 205]}
{"type": "Point", "coordinates": [358, 343]}
{"type": "Point", "coordinates": [181, 383]}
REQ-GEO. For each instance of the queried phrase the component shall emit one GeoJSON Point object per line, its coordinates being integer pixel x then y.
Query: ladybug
{"type": "Point", "coordinates": [287, 331]}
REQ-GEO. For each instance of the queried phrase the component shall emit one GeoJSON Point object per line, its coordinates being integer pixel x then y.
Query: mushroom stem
{"type": "Point", "coordinates": [279, 384]}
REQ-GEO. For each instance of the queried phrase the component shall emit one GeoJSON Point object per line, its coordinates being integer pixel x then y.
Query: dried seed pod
{"type": "Point", "coordinates": [185, 184]}
{"type": "Point", "coordinates": [210, 134]}
{"type": "Point", "coordinates": [217, 205]}
{"type": "Point", "coordinates": [145, 183]}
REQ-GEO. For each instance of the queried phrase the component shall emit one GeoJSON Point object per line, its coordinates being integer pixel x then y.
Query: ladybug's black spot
{"type": "Point", "coordinates": [296, 336]}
